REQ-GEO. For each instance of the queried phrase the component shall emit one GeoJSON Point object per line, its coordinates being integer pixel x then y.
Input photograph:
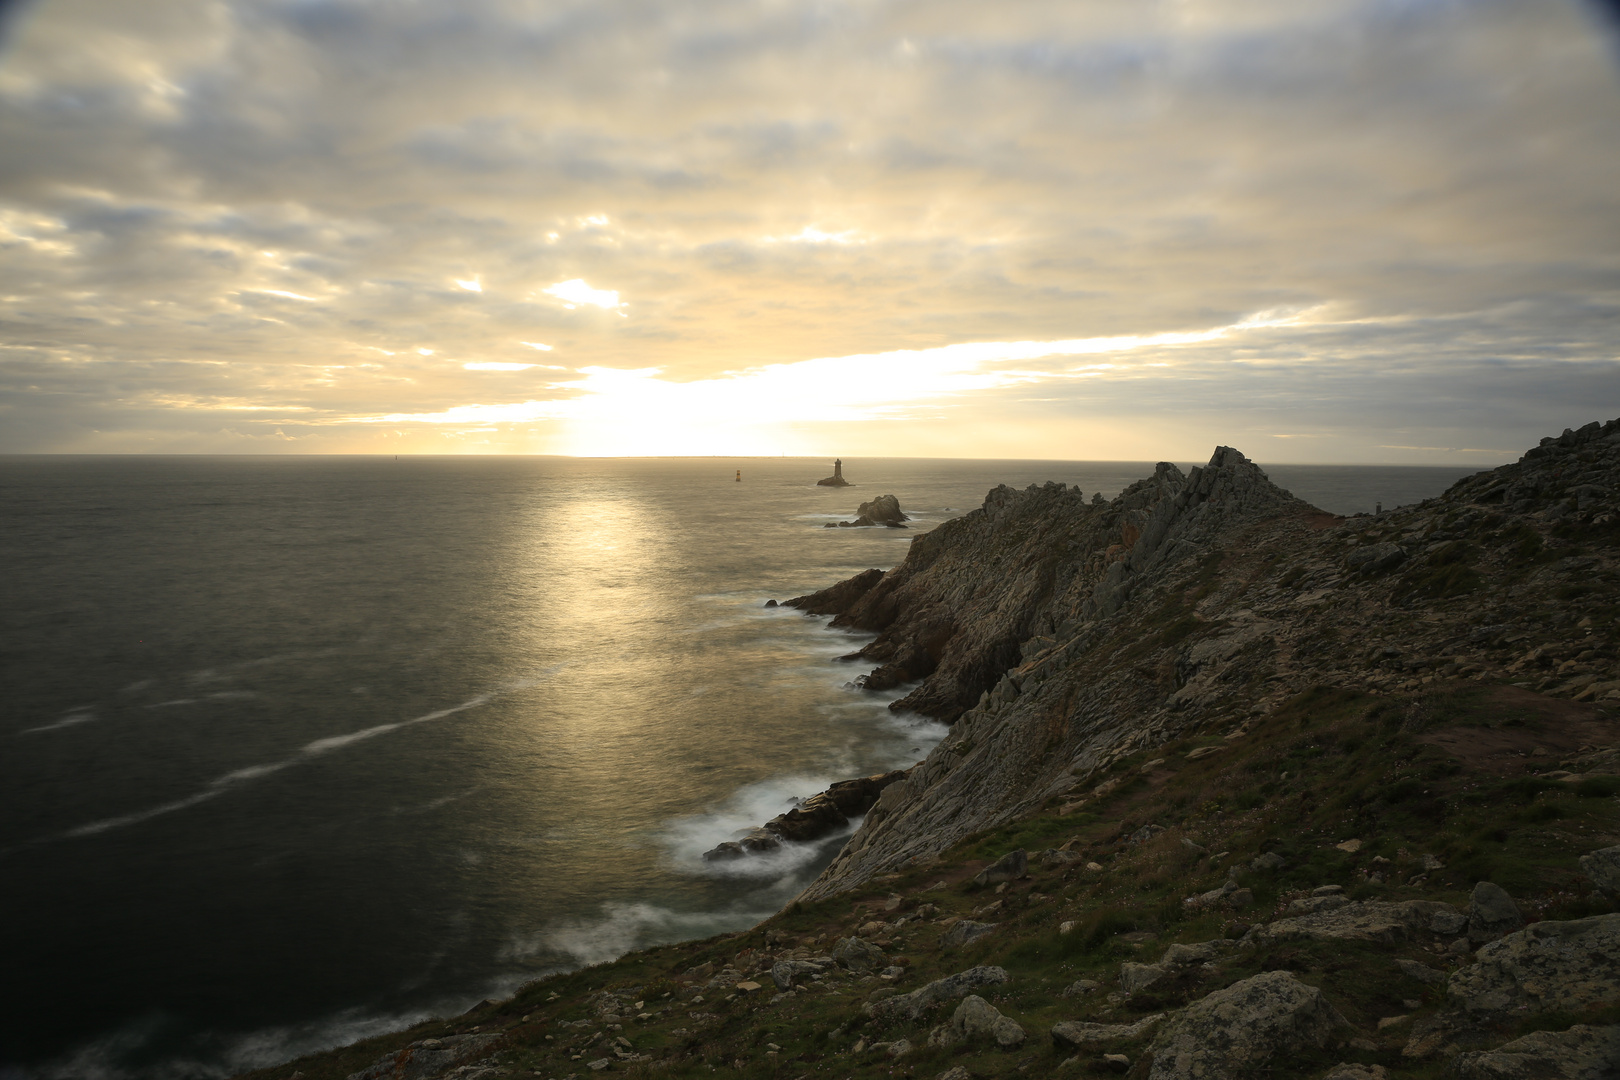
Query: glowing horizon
{"type": "Point", "coordinates": [1061, 230]}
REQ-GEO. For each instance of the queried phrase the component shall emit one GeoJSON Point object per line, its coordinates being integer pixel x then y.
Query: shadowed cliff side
{"type": "Point", "coordinates": [1059, 636]}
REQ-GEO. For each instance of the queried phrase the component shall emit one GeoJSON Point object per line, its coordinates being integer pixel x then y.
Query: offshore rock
{"type": "Point", "coordinates": [883, 510]}
{"type": "Point", "coordinates": [1242, 1027]}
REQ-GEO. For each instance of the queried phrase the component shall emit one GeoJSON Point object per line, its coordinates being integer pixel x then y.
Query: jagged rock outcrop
{"type": "Point", "coordinates": [822, 814]}
{"type": "Point", "coordinates": [1057, 634]}
{"type": "Point", "coordinates": [883, 510]}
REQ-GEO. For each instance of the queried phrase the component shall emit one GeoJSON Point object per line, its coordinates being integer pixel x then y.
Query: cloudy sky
{"type": "Point", "coordinates": [1335, 231]}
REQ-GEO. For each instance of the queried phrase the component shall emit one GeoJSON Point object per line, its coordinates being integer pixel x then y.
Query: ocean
{"type": "Point", "coordinates": [298, 750]}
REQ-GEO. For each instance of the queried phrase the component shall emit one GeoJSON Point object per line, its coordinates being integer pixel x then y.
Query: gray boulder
{"type": "Point", "coordinates": [1134, 978]}
{"type": "Point", "coordinates": [1350, 1071]}
{"type": "Point", "coordinates": [429, 1058]}
{"type": "Point", "coordinates": [977, 1021]}
{"type": "Point", "coordinates": [1269, 861]}
{"type": "Point", "coordinates": [1010, 867]}
{"type": "Point", "coordinates": [1375, 558]}
{"type": "Point", "coordinates": [1307, 905]}
{"type": "Point", "coordinates": [1076, 1035]}
{"type": "Point", "coordinates": [1365, 920]}
{"type": "Point", "coordinates": [784, 972]}
{"type": "Point", "coordinates": [1243, 1027]}
{"type": "Point", "coordinates": [859, 955]}
{"type": "Point", "coordinates": [1548, 965]}
{"type": "Point", "coordinates": [966, 931]}
{"type": "Point", "coordinates": [1422, 972]}
{"type": "Point", "coordinates": [1603, 867]}
{"type": "Point", "coordinates": [911, 1006]}
{"type": "Point", "coordinates": [1581, 1053]}
{"type": "Point", "coordinates": [1491, 913]}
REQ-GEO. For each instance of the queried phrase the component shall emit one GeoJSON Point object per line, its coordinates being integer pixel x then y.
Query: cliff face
{"type": "Point", "coordinates": [1058, 635]}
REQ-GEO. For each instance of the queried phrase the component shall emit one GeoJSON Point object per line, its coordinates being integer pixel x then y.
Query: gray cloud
{"type": "Point", "coordinates": [224, 218]}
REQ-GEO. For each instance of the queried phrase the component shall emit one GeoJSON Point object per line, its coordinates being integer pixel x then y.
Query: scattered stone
{"type": "Point", "coordinates": [1134, 978]}
{"type": "Point", "coordinates": [1198, 953]}
{"type": "Point", "coordinates": [429, 1057]}
{"type": "Point", "coordinates": [1081, 987]}
{"type": "Point", "coordinates": [1391, 1021]}
{"type": "Point", "coordinates": [898, 1048]}
{"type": "Point", "coordinates": [958, 1072]}
{"type": "Point", "coordinates": [1422, 972]}
{"type": "Point", "coordinates": [1581, 1053]}
{"type": "Point", "coordinates": [1117, 1062]}
{"type": "Point", "coordinates": [1203, 752]}
{"type": "Point", "coordinates": [1327, 890]}
{"type": "Point", "coordinates": [1349, 1071]}
{"type": "Point", "coordinates": [1358, 920]}
{"type": "Point", "coordinates": [1242, 1027]}
{"type": "Point", "coordinates": [1094, 867]}
{"type": "Point", "coordinates": [965, 931]}
{"type": "Point", "coordinates": [1491, 913]}
{"type": "Point", "coordinates": [1349, 846]}
{"type": "Point", "coordinates": [1193, 846]}
{"type": "Point", "coordinates": [1144, 834]}
{"type": "Point", "coordinates": [1430, 864]}
{"type": "Point", "coordinates": [1075, 1035]}
{"type": "Point", "coordinates": [977, 1021]}
{"type": "Point", "coordinates": [1065, 928]}
{"type": "Point", "coordinates": [1307, 905]}
{"type": "Point", "coordinates": [1010, 867]}
{"type": "Point", "coordinates": [784, 972]}
{"type": "Point", "coordinates": [1268, 861]}
{"type": "Point", "coordinates": [1603, 867]}
{"type": "Point", "coordinates": [1548, 965]}
{"type": "Point", "coordinates": [858, 955]}
{"type": "Point", "coordinates": [911, 1006]}
{"type": "Point", "coordinates": [1447, 922]}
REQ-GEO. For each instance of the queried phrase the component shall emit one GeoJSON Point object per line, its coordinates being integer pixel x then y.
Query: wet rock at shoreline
{"type": "Point", "coordinates": [820, 815]}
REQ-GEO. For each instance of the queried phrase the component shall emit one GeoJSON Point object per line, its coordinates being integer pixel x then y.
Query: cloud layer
{"type": "Point", "coordinates": [1326, 232]}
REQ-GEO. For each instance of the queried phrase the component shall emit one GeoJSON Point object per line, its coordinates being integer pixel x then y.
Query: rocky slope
{"type": "Point", "coordinates": [1234, 788]}
{"type": "Point", "coordinates": [1059, 634]}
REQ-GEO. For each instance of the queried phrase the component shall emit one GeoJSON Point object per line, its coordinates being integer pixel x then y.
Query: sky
{"type": "Point", "coordinates": [1343, 231]}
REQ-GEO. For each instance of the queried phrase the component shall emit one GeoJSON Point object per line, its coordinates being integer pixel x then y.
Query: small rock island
{"type": "Point", "coordinates": [883, 510]}
{"type": "Point", "coordinates": [837, 478]}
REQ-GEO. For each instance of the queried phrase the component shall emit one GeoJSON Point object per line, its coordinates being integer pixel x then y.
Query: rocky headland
{"type": "Point", "coordinates": [1233, 788]}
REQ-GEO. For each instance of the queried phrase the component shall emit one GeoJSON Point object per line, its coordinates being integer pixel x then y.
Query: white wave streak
{"type": "Point", "coordinates": [81, 717]}
{"type": "Point", "coordinates": [623, 927]}
{"type": "Point", "coordinates": [220, 785]}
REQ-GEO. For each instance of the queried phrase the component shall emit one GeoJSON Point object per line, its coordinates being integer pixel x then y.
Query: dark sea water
{"type": "Point", "coordinates": [296, 750]}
